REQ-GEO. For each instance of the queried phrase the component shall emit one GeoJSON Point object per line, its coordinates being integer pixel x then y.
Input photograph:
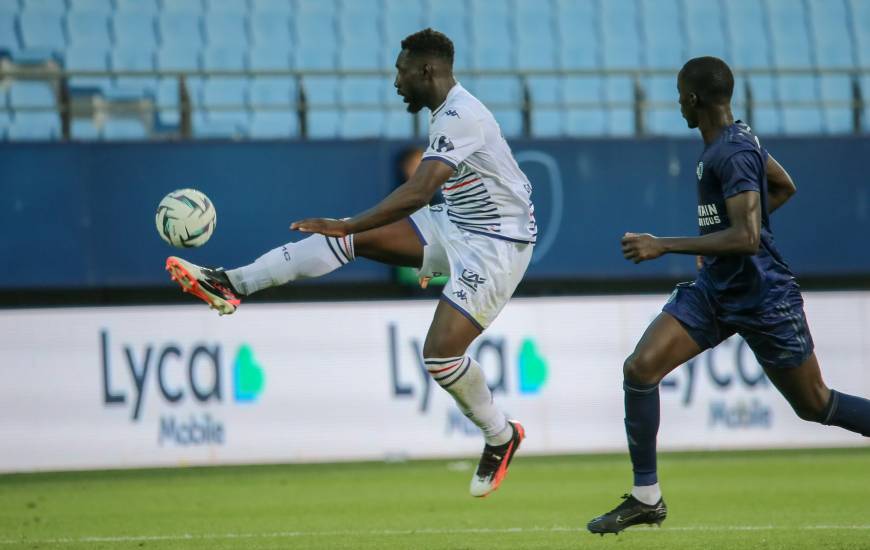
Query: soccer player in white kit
{"type": "Point", "coordinates": [482, 236]}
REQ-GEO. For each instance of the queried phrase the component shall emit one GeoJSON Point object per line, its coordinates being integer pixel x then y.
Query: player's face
{"type": "Point", "coordinates": [410, 82]}
{"type": "Point", "coordinates": [688, 104]}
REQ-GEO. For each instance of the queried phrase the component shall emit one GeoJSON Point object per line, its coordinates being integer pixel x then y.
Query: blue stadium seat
{"type": "Point", "coordinates": [545, 90]}
{"type": "Point", "coordinates": [134, 59]}
{"type": "Point", "coordinates": [177, 58]}
{"type": "Point", "coordinates": [274, 125]}
{"type": "Point", "coordinates": [238, 8]}
{"type": "Point", "coordinates": [398, 124]}
{"type": "Point", "coordinates": [620, 42]}
{"type": "Point", "coordinates": [361, 123]}
{"type": "Point", "coordinates": [180, 29]}
{"type": "Point", "coordinates": [266, 58]}
{"type": "Point", "coordinates": [533, 8]}
{"type": "Point", "coordinates": [860, 10]}
{"type": "Point", "coordinates": [315, 29]}
{"type": "Point", "coordinates": [9, 8]}
{"type": "Point", "coordinates": [493, 58]}
{"type": "Point", "coordinates": [41, 30]}
{"type": "Point", "coordinates": [488, 8]}
{"type": "Point", "coordinates": [51, 7]}
{"type": "Point", "coordinates": [357, 30]}
{"type": "Point", "coordinates": [34, 126]}
{"type": "Point", "coordinates": [8, 34]}
{"type": "Point", "coordinates": [619, 119]}
{"type": "Point", "coordinates": [788, 24]}
{"type": "Point", "coordinates": [321, 57]}
{"type": "Point", "coordinates": [586, 122]}
{"type": "Point", "coordinates": [226, 29]}
{"type": "Point", "coordinates": [87, 59]}
{"type": "Point", "coordinates": [830, 33]}
{"type": "Point", "coordinates": [118, 129]}
{"type": "Point", "coordinates": [225, 93]}
{"type": "Point", "coordinates": [583, 114]}
{"type": "Point", "coordinates": [663, 34]}
{"type": "Point", "coordinates": [323, 123]}
{"type": "Point", "coordinates": [360, 56]}
{"type": "Point", "coordinates": [186, 7]}
{"type": "Point", "coordinates": [663, 114]}
{"type": "Point", "coordinates": [103, 7]}
{"type": "Point", "coordinates": [272, 6]}
{"type": "Point", "coordinates": [547, 122]}
{"type": "Point", "coordinates": [582, 89]}
{"type": "Point", "coordinates": [321, 90]}
{"type": "Point", "coordinates": [400, 23]}
{"type": "Point", "coordinates": [131, 29]}
{"type": "Point", "coordinates": [799, 119]}
{"type": "Point", "coordinates": [306, 7]}
{"type": "Point", "coordinates": [144, 7]}
{"type": "Point", "coordinates": [272, 91]}
{"type": "Point", "coordinates": [361, 90]}
{"type": "Point", "coordinates": [865, 95]}
{"type": "Point", "coordinates": [31, 94]}
{"type": "Point", "coordinates": [452, 8]}
{"type": "Point", "coordinates": [503, 92]}
{"type": "Point", "coordinates": [223, 58]}
{"type": "Point", "coordinates": [207, 127]}
{"type": "Point", "coordinates": [766, 112]}
{"type": "Point", "coordinates": [579, 46]}
{"type": "Point", "coordinates": [702, 37]}
{"type": "Point", "coordinates": [577, 9]}
{"type": "Point", "coordinates": [747, 35]}
{"type": "Point", "coordinates": [88, 29]}
{"type": "Point", "coordinates": [240, 118]}
{"type": "Point", "coordinates": [168, 103]}
{"type": "Point", "coordinates": [84, 129]}
{"type": "Point", "coordinates": [837, 88]}
{"type": "Point", "coordinates": [531, 58]}
{"type": "Point", "coordinates": [270, 30]}
{"type": "Point", "coordinates": [510, 121]}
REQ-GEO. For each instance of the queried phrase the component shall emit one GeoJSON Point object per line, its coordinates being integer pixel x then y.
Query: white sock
{"type": "Point", "coordinates": [314, 256]}
{"type": "Point", "coordinates": [648, 494]}
{"type": "Point", "coordinates": [463, 378]}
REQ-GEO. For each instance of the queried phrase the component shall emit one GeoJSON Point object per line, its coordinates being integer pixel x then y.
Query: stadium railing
{"type": "Point", "coordinates": [72, 105]}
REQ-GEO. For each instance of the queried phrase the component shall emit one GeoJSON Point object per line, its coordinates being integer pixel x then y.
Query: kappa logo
{"type": "Point", "coordinates": [461, 295]}
{"type": "Point", "coordinates": [700, 170]}
{"type": "Point", "coordinates": [442, 144]}
{"type": "Point", "coordinates": [471, 279]}
{"type": "Point", "coordinates": [452, 112]}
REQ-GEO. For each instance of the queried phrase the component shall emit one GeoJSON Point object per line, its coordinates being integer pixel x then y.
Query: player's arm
{"type": "Point", "coordinates": [741, 238]}
{"type": "Point", "coordinates": [401, 203]}
{"type": "Point", "coordinates": [780, 186]}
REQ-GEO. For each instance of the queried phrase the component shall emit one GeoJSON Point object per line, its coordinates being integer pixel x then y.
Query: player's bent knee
{"type": "Point", "coordinates": [640, 368]}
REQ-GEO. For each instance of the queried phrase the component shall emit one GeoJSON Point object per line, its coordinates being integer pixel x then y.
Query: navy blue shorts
{"type": "Point", "coordinates": [777, 332]}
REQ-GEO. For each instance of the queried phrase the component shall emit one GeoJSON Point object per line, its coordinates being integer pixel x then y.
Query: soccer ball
{"type": "Point", "coordinates": [186, 218]}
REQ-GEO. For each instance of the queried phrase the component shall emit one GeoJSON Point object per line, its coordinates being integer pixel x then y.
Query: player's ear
{"type": "Point", "coordinates": [693, 99]}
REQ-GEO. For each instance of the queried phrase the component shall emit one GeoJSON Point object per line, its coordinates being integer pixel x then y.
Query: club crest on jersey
{"type": "Point", "coordinates": [441, 144]}
{"type": "Point", "coordinates": [700, 170]}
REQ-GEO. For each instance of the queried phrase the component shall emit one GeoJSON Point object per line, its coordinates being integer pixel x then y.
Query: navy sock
{"type": "Point", "coordinates": [849, 412]}
{"type": "Point", "coordinates": [641, 427]}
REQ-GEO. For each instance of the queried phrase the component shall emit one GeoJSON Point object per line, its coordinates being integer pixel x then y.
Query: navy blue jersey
{"type": "Point", "coordinates": [735, 163]}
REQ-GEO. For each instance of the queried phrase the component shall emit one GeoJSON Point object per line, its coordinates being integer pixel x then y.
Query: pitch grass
{"type": "Point", "coordinates": [784, 499]}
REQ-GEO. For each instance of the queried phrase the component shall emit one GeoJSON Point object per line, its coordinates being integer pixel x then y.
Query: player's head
{"type": "Point", "coordinates": [426, 56]}
{"type": "Point", "coordinates": [704, 82]}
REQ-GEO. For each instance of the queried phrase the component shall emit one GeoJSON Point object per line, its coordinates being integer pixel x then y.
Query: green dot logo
{"type": "Point", "coordinates": [532, 368]}
{"type": "Point", "coordinates": [248, 378]}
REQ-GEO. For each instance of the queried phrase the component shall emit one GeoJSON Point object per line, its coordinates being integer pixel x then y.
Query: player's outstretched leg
{"type": "Point", "coordinates": [664, 346]}
{"type": "Point", "coordinates": [461, 376]}
{"type": "Point", "coordinates": [313, 256]}
{"type": "Point", "coordinates": [812, 400]}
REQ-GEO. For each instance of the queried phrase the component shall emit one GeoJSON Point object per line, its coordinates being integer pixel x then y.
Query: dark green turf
{"type": "Point", "coordinates": [785, 499]}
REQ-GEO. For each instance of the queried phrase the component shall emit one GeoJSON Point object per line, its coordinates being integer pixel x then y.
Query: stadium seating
{"type": "Point", "coordinates": [615, 36]}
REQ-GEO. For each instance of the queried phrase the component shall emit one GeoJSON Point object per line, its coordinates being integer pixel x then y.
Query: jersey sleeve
{"type": "Point", "coordinates": [454, 136]}
{"type": "Point", "coordinates": [741, 172]}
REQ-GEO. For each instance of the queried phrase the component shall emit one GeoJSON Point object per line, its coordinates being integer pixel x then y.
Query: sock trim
{"type": "Point", "coordinates": [460, 375]}
{"type": "Point", "coordinates": [334, 253]}
{"type": "Point", "coordinates": [831, 407]}
{"type": "Point", "coordinates": [642, 389]}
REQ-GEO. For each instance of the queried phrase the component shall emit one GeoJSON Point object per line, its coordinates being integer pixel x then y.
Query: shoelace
{"type": "Point", "coordinates": [489, 461]}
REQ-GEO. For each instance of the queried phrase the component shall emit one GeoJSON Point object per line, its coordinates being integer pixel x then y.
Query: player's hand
{"type": "Point", "coordinates": [699, 262]}
{"type": "Point", "coordinates": [639, 247]}
{"type": "Point", "coordinates": [325, 226]}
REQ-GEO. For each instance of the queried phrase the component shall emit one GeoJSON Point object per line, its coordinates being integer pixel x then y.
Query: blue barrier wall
{"type": "Point", "coordinates": [82, 215]}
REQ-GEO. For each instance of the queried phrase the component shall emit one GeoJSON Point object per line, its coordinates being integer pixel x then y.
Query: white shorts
{"type": "Point", "coordinates": [484, 271]}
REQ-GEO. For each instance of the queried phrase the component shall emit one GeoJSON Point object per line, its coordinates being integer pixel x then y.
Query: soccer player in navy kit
{"type": "Point", "coordinates": [744, 286]}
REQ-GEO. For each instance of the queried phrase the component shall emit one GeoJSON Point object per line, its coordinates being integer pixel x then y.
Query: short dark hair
{"type": "Point", "coordinates": [429, 42]}
{"type": "Point", "coordinates": [709, 77]}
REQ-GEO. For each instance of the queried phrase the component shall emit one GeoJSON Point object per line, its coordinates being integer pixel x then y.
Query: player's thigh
{"type": "Point", "coordinates": [664, 346]}
{"type": "Point", "coordinates": [450, 333]}
{"type": "Point", "coordinates": [803, 387]}
{"type": "Point", "coordinates": [395, 244]}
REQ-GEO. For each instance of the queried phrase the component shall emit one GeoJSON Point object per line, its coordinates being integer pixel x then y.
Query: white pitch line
{"type": "Point", "coordinates": [406, 532]}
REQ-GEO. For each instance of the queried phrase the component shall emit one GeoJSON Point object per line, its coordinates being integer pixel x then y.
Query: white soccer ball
{"type": "Point", "coordinates": [186, 218]}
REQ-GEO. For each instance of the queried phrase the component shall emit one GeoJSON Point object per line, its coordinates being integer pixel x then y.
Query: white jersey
{"type": "Point", "coordinates": [488, 193]}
